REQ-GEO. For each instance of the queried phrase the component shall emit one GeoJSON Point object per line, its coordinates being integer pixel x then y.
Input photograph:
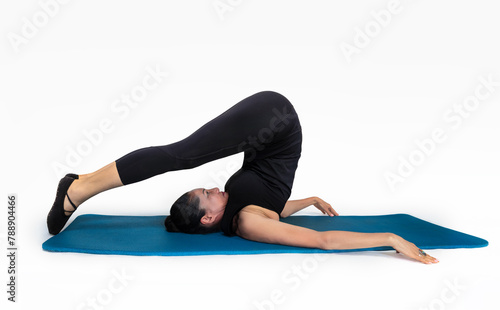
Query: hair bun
{"type": "Point", "coordinates": [170, 226]}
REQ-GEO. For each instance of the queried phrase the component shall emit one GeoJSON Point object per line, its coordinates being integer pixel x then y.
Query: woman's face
{"type": "Point", "coordinates": [213, 201]}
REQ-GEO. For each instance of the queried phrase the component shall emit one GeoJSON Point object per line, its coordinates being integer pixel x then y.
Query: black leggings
{"type": "Point", "coordinates": [257, 125]}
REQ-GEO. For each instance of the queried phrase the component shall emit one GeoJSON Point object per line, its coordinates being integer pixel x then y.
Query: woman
{"type": "Point", "coordinates": [266, 128]}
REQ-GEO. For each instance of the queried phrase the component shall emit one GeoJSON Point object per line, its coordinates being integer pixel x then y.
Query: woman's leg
{"type": "Point", "coordinates": [252, 125]}
{"type": "Point", "coordinates": [89, 185]}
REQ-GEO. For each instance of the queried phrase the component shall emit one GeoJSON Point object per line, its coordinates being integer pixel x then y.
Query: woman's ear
{"type": "Point", "coordinates": [207, 219]}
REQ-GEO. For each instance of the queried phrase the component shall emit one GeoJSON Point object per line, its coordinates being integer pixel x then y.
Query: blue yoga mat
{"type": "Point", "coordinates": [146, 235]}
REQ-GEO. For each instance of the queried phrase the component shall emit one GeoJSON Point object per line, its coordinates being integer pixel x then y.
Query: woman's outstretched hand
{"type": "Point", "coordinates": [411, 250]}
{"type": "Point", "coordinates": [324, 207]}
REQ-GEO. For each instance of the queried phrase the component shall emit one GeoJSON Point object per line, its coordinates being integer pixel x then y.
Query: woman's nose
{"type": "Point", "coordinates": [215, 190]}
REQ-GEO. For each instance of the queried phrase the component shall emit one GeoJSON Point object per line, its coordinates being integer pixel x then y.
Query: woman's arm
{"type": "Point", "coordinates": [293, 206]}
{"type": "Point", "coordinates": [259, 228]}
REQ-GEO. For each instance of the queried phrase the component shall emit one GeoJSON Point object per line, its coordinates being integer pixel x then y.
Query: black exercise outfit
{"type": "Point", "coordinates": [264, 126]}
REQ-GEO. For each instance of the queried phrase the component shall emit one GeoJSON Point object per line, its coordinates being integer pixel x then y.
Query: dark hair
{"type": "Point", "coordinates": [185, 216]}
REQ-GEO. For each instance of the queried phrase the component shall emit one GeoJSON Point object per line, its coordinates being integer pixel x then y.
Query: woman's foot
{"type": "Point", "coordinates": [72, 198]}
{"type": "Point", "coordinates": [63, 205]}
{"type": "Point", "coordinates": [73, 190]}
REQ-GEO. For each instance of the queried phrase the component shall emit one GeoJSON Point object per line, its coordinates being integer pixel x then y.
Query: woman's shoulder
{"type": "Point", "coordinates": [254, 209]}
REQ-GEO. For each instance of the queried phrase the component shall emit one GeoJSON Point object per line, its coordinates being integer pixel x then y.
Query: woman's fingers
{"type": "Point", "coordinates": [411, 250]}
{"type": "Point", "coordinates": [332, 212]}
{"type": "Point", "coordinates": [426, 258]}
{"type": "Point", "coordinates": [325, 207]}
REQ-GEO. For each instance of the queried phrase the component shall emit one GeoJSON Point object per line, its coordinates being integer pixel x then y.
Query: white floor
{"type": "Point", "coordinates": [463, 280]}
{"type": "Point", "coordinates": [417, 99]}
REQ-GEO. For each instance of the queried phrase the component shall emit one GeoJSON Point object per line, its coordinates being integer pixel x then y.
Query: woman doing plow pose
{"type": "Point", "coordinates": [266, 128]}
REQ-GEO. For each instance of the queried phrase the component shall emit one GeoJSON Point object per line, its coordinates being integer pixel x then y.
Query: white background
{"type": "Point", "coordinates": [360, 119]}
